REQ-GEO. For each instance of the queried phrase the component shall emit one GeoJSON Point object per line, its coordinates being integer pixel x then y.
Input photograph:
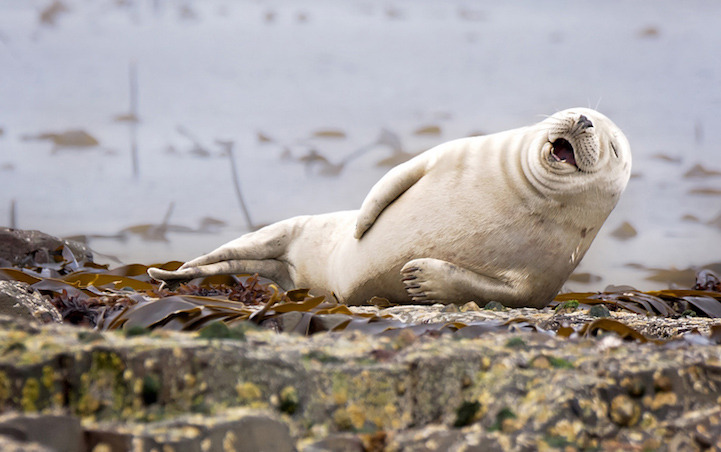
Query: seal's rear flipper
{"type": "Point", "coordinates": [258, 252]}
{"type": "Point", "coordinates": [429, 280]}
{"type": "Point", "coordinates": [268, 268]}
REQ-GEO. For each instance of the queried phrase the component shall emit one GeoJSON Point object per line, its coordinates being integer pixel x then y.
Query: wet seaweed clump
{"type": "Point", "coordinates": [88, 311]}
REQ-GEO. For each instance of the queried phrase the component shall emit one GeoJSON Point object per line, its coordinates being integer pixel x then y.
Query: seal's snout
{"type": "Point", "coordinates": [584, 123]}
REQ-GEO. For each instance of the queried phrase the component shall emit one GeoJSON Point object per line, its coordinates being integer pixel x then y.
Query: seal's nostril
{"type": "Point", "coordinates": [584, 122]}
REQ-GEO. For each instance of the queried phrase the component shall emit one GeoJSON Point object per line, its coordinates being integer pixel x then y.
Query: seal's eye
{"type": "Point", "coordinates": [613, 146]}
{"type": "Point", "coordinates": [563, 151]}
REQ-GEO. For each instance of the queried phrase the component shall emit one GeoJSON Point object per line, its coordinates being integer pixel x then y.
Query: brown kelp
{"type": "Point", "coordinates": [125, 298]}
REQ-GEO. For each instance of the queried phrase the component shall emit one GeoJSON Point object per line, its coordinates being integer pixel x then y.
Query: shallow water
{"type": "Point", "coordinates": [232, 70]}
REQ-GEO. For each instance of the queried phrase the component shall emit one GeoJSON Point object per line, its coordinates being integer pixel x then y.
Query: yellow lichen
{"type": "Point", "coordinates": [48, 377]}
{"type": "Point", "coordinates": [651, 444]}
{"type": "Point", "coordinates": [248, 392]}
{"type": "Point", "coordinates": [107, 361]}
{"type": "Point", "coordinates": [400, 387]}
{"type": "Point", "coordinates": [342, 419]}
{"type": "Point", "coordinates": [340, 396]}
{"type": "Point", "coordinates": [357, 415]}
{"type": "Point", "coordinates": [88, 404]}
{"type": "Point", "coordinates": [390, 413]}
{"type": "Point", "coordinates": [663, 399]}
{"type": "Point", "coordinates": [30, 395]}
{"type": "Point", "coordinates": [624, 411]}
{"type": "Point", "coordinates": [536, 395]}
{"type": "Point", "coordinates": [230, 442]}
{"type": "Point", "coordinates": [4, 389]}
{"type": "Point", "coordinates": [661, 382]}
{"type": "Point", "coordinates": [339, 388]}
{"type": "Point", "coordinates": [119, 392]}
{"type": "Point", "coordinates": [127, 412]}
{"type": "Point", "coordinates": [511, 425]}
{"type": "Point", "coordinates": [566, 429]}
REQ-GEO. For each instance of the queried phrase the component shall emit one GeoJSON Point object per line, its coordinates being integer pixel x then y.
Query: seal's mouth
{"type": "Point", "coordinates": [562, 151]}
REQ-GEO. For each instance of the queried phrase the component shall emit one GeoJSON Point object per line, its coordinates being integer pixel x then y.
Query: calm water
{"type": "Point", "coordinates": [299, 86]}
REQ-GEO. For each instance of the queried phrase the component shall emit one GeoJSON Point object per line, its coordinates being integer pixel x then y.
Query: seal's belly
{"type": "Point", "coordinates": [477, 230]}
{"type": "Point", "coordinates": [474, 230]}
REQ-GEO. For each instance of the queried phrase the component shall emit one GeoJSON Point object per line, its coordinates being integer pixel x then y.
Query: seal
{"type": "Point", "coordinates": [504, 217]}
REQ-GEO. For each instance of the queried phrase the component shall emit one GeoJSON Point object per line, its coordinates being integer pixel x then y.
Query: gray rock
{"type": "Point", "coordinates": [18, 299]}
{"type": "Point", "coordinates": [56, 432]}
{"type": "Point", "coordinates": [240, 430]}
{"type": "Point", "coordinates": [532, 391]}
{"type": "Point", "coordinates": [434, 438]}
{"type": "Point", "coordinates": [8, 444]}
{"type": "Point", "coordinates": [20, 248]}
{"type": "Point", "coordinates": [337, 443]}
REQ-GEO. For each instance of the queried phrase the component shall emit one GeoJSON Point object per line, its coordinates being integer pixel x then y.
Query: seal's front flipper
{"type": "Point", "coordinates": [385, 191]}
{"type": "Point", "coordinates": [430, 281]}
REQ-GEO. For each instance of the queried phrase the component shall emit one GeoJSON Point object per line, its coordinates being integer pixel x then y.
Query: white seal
{"type": "Point", "coordinates": [504, 217]}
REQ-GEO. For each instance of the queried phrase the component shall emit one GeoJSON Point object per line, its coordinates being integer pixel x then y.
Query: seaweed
{"type": "Point", "coordinates": [224, 307]}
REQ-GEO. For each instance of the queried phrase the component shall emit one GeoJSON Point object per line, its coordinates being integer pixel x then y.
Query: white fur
{"type": "Point", "coordinates": [480, 218]}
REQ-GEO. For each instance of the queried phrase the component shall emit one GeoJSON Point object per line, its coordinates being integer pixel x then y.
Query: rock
{"type": "Point", "coordinates": [18, 299]}
{"type": "Point", "coordinates": [470, 306]}
{"type": "Point", "coordinates": [56, 432]}
{"type": "Point", "coordinates": [527, 390]}
{"type": "Point", "coordinates": [241, 430]}
{"type": "Point", "coordinates": [8, 444]}
{"type": "Point", "coordinates": [21, 248]}
{"type": "Point", "coordinates": [433, 438]}
{"type": "Point", "coordinates": [599, 311]}
{"type": "Point", "coordinates": [624, 411]}
{"type": "Point", "coordinates": [701, 429]}
{"type": "Point", "coordinates": [337, 443]}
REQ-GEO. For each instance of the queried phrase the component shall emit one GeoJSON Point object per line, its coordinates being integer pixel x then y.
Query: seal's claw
{"type": "Point", "coordinates": [416, 284]}
{"type": "Point", "coordinates": [171, 284]}
{"type": "Point", "coordinates": [169, 279]}
{"type": "Point", "coordinates": [425, 280]}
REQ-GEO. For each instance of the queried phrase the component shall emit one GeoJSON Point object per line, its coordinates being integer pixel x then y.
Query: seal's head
{"type": "Point", "coordinates": [579, 151]}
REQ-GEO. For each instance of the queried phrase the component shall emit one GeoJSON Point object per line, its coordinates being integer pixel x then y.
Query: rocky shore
{"type": "Point", "coordinates": [498, 380]}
